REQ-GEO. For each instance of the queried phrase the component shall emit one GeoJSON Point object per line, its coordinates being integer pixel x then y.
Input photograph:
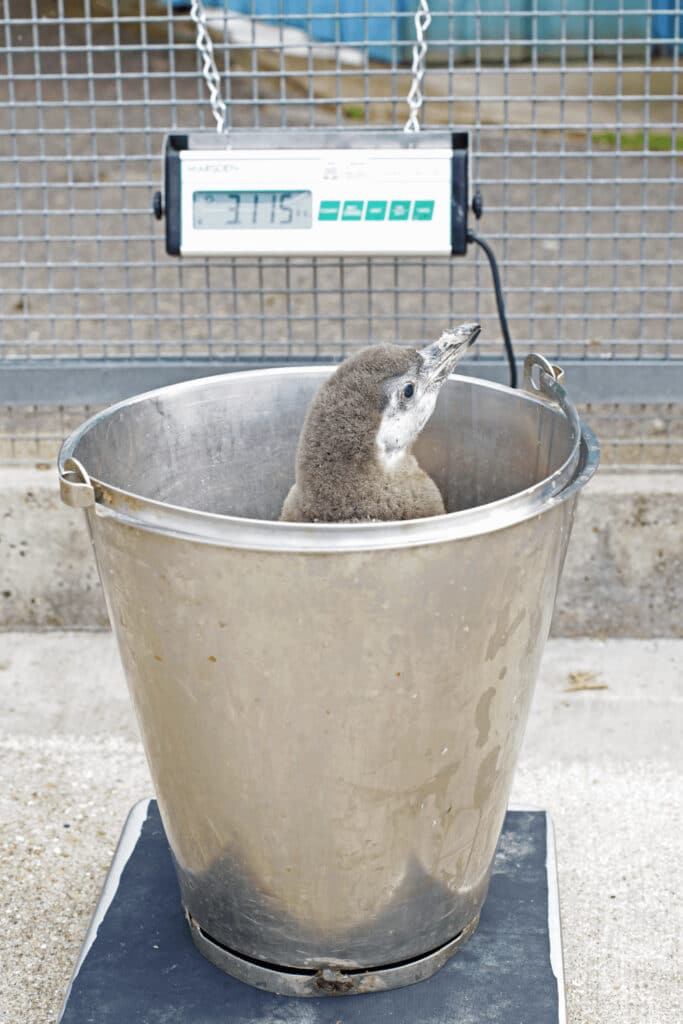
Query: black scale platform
{"type": "Point", "coordinates": [139, 965]}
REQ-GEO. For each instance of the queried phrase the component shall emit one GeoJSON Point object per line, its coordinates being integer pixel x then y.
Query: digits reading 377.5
{"type": "Point", "coordinates": [215, 210]}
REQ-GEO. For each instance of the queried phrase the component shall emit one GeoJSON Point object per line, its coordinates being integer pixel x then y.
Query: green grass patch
{"type": "Point", "coordinates": [354, 112]}
{"type": "Point", "coordinates": [636, 141]}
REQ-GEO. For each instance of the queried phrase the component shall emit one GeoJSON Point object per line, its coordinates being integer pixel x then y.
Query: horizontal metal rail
{"type": "Point", "coordinates": [82, 382]}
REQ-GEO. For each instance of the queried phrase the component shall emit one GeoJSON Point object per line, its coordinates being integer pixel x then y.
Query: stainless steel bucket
{"type": "Point", "coordinates": [331, 713]}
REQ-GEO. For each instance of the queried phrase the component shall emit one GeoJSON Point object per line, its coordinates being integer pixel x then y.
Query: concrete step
{"type": "Point", "coordinates": [623, 575]}
{"type": "Point", "coordinates": [605, 762]}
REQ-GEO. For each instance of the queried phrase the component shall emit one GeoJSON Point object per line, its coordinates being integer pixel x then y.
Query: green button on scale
{"type": "Point", "coordinates": [399, 210]}
{"type": "Point", "coordinates": [423, 209]}
{"type": "Point", "coordinates": [328, 210]}
{"type": "Point", "coordinates": [376, 209]}
{"type": "Point", "coordinates": [353, 209]}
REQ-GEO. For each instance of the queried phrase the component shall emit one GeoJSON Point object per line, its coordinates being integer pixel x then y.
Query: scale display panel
{"type": "Point", "coordinates": [315, 193]}
{"type": "Point", "coordinates": [219, 210]}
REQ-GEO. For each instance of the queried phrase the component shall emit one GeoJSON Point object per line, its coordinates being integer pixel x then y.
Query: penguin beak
{"type": "Point", "coordinates": [440, 357]}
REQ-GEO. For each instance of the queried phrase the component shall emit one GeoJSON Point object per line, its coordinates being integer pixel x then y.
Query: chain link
{"type": "Point", "coordinates": [423, 19]}
{"type": "Point", "coordinates": [415, 98]}
{"type": "Point", "coordinates": [209, 69]}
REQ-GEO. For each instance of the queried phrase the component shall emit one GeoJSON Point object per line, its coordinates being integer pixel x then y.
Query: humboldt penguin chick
{"type": "Point", "coordinates": [354, 461]}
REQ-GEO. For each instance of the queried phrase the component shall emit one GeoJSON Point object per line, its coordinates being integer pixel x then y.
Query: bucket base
{"type": "Point", "coordinates": [138, 960]}
{"type": "Point", "coordinates": [326, 981]}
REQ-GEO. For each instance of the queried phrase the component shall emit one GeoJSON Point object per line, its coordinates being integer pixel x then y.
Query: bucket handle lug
{"type": "Point", "coordinates": [549, 386]}
{"type": "Point", "coordinates": [538, 383]}
{"type": "Point", "coordinates": [75, 486]}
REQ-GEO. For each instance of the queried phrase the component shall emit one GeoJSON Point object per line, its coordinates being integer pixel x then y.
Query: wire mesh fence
{"type": "Point", "coordinates": [576, 142]}
{"type": "Point", "coordinates": [634, 434]}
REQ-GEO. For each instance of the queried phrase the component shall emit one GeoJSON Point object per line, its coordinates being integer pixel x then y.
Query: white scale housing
{"type": "Point", "coordinates": [297, 193]}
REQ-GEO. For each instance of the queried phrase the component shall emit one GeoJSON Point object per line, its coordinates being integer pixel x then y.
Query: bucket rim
{"type": "Point", "coordinates": [152, 515]}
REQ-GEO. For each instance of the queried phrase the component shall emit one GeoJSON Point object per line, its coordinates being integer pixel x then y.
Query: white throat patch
{"type": "Point", "coordinates": [400, 427]}
{"type": "Point", "coordinates": [390, 460]}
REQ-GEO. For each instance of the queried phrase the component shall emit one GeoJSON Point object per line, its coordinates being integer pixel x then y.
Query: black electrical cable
{"type": "Point", "coordinates": [471, 237]}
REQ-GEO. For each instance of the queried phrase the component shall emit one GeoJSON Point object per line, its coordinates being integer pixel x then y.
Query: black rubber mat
{"type": "Point", "coordinates": [139, 965]}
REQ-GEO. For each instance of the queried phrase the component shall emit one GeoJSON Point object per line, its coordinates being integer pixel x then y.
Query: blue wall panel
{"type": "Point", "coordinates": [664, 28]}
{"type": "Point", "coordinates": [619, 19]}
{"type": "Point", "coordinates": [385, 24]}
{"type": "Point", "coordinates": [558, 25]}
{"type": "Point", "coordinates": [553, 26]}
{"type": "Point", "coordinates": [475, 23]}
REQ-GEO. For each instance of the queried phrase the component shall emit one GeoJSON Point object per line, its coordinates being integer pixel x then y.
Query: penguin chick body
{"type": "Point", "coordinates": [354, 460]}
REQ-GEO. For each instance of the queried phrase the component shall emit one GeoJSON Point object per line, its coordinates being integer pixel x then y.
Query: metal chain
{"type": "Point", "coordinates": [209, 69]}
{"type": "Point", "coordinates": [415, 99]}
{"type": "Point", "coordinates": [423, 19]}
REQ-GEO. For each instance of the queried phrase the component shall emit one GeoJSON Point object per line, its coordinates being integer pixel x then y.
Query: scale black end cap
{"type": "Point", "coordinates": [158, 205]}
{"type": "Point", "coordinates": [459, 200]}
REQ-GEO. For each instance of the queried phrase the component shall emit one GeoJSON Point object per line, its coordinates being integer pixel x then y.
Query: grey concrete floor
{"type": "Point", "coordinates": [605, 762]}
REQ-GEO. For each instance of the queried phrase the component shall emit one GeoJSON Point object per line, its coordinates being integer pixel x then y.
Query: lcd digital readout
{"type": "Point", "coordinates": [243, 210]}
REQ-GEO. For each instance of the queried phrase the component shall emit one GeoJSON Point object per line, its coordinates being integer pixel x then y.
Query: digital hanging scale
{"type": "Point", "coordinates": [317, 193]}
{"type": "Point", "coordinates": [277, 192]}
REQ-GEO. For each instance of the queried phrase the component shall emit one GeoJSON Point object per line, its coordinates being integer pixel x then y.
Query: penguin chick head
{"type": "Point", "coordinates": [374, 406]}
{"type": "Point", "coordinates": [408, 398]}
{"type": "Point", "coordinates": [353, 459]}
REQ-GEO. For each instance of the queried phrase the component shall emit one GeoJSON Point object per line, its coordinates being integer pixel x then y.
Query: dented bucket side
{"type": "Point", "coordinates": [332, 738]}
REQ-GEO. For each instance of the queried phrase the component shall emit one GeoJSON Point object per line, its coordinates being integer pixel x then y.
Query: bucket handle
{"type": "Point", "coordinates": [75, 486]}
{"type": "Point", "coordinates": [551, 370]}
{"type": "Point", "coordinates": [547, 383]}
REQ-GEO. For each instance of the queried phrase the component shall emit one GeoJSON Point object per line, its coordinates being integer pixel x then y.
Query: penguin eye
{"type": "Point", "coordinates": [408, 391]}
